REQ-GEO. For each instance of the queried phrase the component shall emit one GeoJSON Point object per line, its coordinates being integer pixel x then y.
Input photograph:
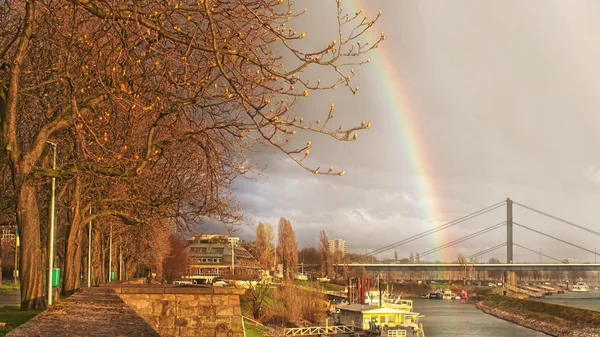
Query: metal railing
{"type": "Point", "coordinates": [396, 333]}
{"type": "Point", "coordinates": [207, 274]}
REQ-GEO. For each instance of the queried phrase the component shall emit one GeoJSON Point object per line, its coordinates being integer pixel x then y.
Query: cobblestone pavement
{"type": "Point", "coordinates": [90, 312]}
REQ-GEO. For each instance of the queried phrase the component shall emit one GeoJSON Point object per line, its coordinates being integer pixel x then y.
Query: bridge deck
{"type": "Point", "coordinates": [473, 266]}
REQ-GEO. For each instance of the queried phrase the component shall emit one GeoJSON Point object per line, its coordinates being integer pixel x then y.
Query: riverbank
{"type": "Point", "coordinates": [551, 319]}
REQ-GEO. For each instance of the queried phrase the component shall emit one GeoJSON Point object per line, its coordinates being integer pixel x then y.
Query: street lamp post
{"type": "Point", "coordinates": [16, 270]}
{"type": "Point", "coordinates": [232, 259]}
{"type": "Point", "coordinates": [51, 241]}
{"type": "Point", "coordinates": [121, 258]}
{"type": "Point", "coordinates": [89, 274]}
{"type": "Point", "coordinates": [110, 255]}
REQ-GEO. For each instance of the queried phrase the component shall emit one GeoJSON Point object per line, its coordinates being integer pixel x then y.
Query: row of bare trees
{"type": "Point", "coordinates": [286, 252]}
{"type": "Point", "coordinates": [155, 108]}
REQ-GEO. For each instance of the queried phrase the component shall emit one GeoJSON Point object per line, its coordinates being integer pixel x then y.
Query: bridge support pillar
{"type": "Point", "coordinates": [511, 278]}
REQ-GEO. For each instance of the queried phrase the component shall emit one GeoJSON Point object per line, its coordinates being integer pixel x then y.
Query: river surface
{"type": "Point", "coordinates": [446, 318]}
{"type": "Point", "coordinates": [587, 300]}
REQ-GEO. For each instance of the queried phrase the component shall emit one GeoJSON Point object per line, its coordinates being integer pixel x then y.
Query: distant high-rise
{"type": "Point", "coordinates": [337, 246]}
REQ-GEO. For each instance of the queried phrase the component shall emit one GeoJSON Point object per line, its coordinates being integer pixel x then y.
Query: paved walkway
{"type": "Point", "coordinates": [89, 312]}
{"type": "Point", "coordinates": [10, 298]}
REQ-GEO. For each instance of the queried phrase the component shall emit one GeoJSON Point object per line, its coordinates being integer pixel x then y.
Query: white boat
{"type": "Point", "coordinates": [580, 286]}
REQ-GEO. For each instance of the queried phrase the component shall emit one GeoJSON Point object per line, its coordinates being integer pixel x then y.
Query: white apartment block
{"type": "Point", "coordinates": [338, 246]}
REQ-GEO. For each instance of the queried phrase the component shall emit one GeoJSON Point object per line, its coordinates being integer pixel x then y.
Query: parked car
{"type": "Point", "coordinates": [301, 277]}
{"type": "Point", "coordinates": [182, 282]}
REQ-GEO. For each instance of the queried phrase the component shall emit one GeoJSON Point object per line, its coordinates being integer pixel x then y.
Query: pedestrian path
{"type": "Point", "coordinates": [89, 312]}
{"type": "Point", "coordinates": [10, 298]}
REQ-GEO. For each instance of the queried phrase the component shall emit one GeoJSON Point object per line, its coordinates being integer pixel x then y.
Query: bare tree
{"type": "Point", "coordinates": [263, 248]}
{"type": "Point", "coordinates": [138, 84]}
{"type": "Point", "coordinates": [175, 264]}
{"type": "Point", "coordinates": [288, 250]}
{"type": "Point", "coordinates": [326, 254]}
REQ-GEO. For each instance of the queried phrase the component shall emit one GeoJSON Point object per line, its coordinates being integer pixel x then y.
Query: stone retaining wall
{"type": "Point", "coordinates": [186, 310]}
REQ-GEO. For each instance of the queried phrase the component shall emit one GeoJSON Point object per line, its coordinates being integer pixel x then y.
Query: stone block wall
{"type": "Point", "coordinates": [187, 311]}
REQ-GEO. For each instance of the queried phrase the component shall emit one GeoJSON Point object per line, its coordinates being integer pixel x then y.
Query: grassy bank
{"type": "Point", "coordinates": [254, 331]}
{"type": "Point", "coordinates": [13, 317]}
{"type": "Point", "coordinates": [288, 305]}
{"type": "Point", "coordinates": [6, 287]}
{"type": "Point", "coordinates": [544, 311]}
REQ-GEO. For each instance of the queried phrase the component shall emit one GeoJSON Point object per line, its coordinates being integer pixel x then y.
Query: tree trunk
{"type": "Point", "coordinates": [97, 268]}
{"type": "Point", "coordinates": [71, 281]}
{"type": "Point", "coordinates": [72, 262]}
{"type": "Point", "coordinates": [32, 282]}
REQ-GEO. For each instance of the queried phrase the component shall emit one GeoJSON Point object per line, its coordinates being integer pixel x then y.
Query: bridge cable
{"type": "Point", "coordinates": [533, 251]}
{"type": "Point", "coordinates": [557, 239]}
{"type": "Point", "coordinates": [558, 219]}
{"type": "Point", "coordinates": [491, 249]}
{"type": "Point", "coordinates": [433, 230]}
{"type": "Point", "coordinates": [465, 238]}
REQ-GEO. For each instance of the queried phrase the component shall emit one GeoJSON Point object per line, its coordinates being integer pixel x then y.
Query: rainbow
{"type": "Point", "coordinates": [413, 143]}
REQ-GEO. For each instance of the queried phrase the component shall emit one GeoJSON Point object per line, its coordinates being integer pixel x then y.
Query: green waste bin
{"type": "Point", "coordinates": [55, 277]}
{"type": "Point", "coordinates": [112, 275]}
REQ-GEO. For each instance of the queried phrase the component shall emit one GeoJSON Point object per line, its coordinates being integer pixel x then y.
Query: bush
{"type": "Point", "coordinates": [292, 305]}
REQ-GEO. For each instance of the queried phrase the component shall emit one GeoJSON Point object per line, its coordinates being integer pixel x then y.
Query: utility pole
{"type": "Point", "coordinates": [51, 240]}
{"type": "Point", "coordinates": [379, 288]}
{"type": "Point", "coordinates": [89, 271]}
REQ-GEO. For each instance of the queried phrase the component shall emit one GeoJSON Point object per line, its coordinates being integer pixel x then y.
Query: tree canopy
{"type": "Point", "coordinates": [155, 107]}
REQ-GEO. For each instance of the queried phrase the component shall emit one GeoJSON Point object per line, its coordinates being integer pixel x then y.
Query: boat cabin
{"type": "Point", "coordinates": [405, 305]}
{"type": "Point", "coordinates": [370, 318]}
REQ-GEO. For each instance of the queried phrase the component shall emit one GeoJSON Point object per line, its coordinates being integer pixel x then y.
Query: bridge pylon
{"type": "Point", "coordinates": [511, 276]}
{"type": "Point", "coordinates": [509, 230]}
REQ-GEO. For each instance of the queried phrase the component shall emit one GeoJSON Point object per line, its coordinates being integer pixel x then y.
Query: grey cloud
{"type": "Point", "coordinates": [505, 98]}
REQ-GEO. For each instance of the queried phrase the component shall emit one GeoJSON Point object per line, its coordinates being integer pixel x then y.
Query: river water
{"type": "Point", "coordinates": [445, 318]}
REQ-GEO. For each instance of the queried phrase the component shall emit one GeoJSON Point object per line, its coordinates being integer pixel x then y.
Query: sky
{"type": "Point", "coordinates": [471, 102]}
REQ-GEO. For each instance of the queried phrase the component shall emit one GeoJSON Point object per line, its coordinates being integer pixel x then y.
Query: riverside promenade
{"type": "Point", "coordinates": [89, 312]}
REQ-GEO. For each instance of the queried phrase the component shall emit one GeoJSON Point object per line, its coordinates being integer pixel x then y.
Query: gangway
{"type": "Point", "coordinates": [320, 330]}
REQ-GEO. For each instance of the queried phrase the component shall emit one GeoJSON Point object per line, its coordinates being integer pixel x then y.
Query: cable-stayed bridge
{"type": "Point", "coordinates": [509, 223]}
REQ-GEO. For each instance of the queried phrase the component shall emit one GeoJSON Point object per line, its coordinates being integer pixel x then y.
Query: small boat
{"type": "Point", "coordinates": [436, 296]}
{"type": "Point", "coordinates": [580, 287]}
